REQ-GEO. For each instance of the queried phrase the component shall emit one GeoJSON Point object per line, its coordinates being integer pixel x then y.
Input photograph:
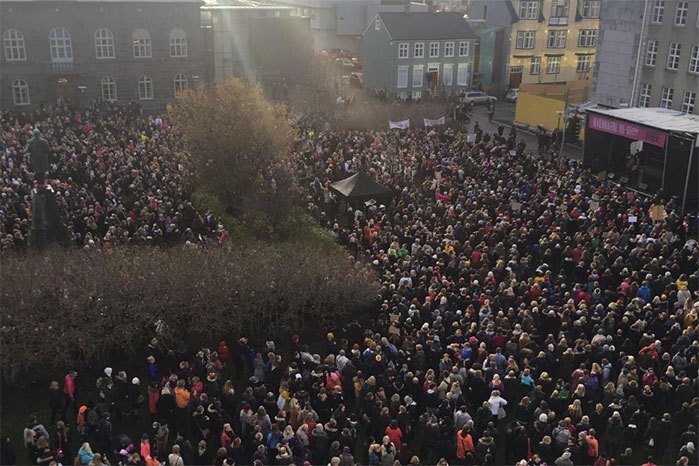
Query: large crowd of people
{"type": "Point", "coordinates": [529, 313]}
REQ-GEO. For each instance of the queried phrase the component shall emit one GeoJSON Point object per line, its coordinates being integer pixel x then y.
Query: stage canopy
{"type": "Point", "coordinates": [361, 187]}
{"type": "Point", "coordinates": [660, 118]}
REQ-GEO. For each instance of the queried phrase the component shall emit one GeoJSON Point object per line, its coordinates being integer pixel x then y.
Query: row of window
{"type": "Point", "coordinates": [419, 49]}
{"type": "Point", "coordinates": [462, 74]}
{"type": "Point", "coordinates": [108, 87]}
{"type": "Point", "coordinates": [673, 56]}
{"type": "Point", "coordinates": [61, 45]}
{"type": "Point", "coordinates": [681, 11]}
{"type": "Point", "coordinates": [529, 9]}
{"type": "Point", "coordinates": [553, 65]}
{"type": "Point", "coordinates": [668, 93]}
{"type": "Point", "coordinates": [556, 39]}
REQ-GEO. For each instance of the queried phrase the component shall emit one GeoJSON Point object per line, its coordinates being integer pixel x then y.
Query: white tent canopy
{"type": "Point", "coordinates": [656, 117]}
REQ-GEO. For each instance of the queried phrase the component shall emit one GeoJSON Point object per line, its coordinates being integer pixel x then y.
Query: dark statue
{"type": "Point", "coordinates": [39, 150]}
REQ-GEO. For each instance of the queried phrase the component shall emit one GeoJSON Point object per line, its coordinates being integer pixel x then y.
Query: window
{"type": "Point", "coordinates": [61, 46]}
{"type": "Point", "coordinates": [525, 39]}
{"type": "Point", "coordinates": [694, 60]}
{"type": "Point", "coordinates": [681, 13]}
{"type": "Point", "coordinates": [403, 50]}
{"type": "Point", "coordinates": [20, 92]}
{"type": "Point", "coordinates": [14, 45]}
{"type": "Point", "coordinates": [584, 63]}
{"type": "Point", "coordinates": [666, 98]}
{"type": "Point", "coordinates": [419, 50]}
{"type": "Point", "coordinates": [658, 12]}
{"type": "Point", "coordinates": [463, 48]}
{"type": "Point", "coordinates": [688, 101]}
{"type": "Point", "coordinates": [402, 77]}
{"type": "Point", "coordinates": [462, 74]}
{"type": "Point", "coordinates": [180, 83]}
{"type": "Point", "coordinates": [644, 96]}
{"type": "Point", "coordinates": [434, 49]}
{"type": "Point", "coordinates": [145, 88]}
{"type": "Point", "coordinates": [673, 57]}
{"type": "Point", "coordinates": [448, 77]}
{"type": "Point", "coordinates": [417, 95]}
{"type": "Point", "coordinates": [652, 53]}
{"type": "Point", "coordinates": [587, 38]}
{"type": "Point", "coordinates": [553, 65]}
{"type": "Point", "coordinates": [178, 43]}
{"type": "Point", "coordinates": [418, 75]}
{"type": "Point", "coordinates": [377, 24]}
{"type": "Point", "coordinates": [449, 49]}
{"type": "Point", "coordinates": [528, 9]}
{"type": "Point", "coordinates": [141, 44]}
{"type": "Point", "coordinates": [104, 44]}
{"type": "Point", "coordinates": [559, 12]}
{"type": "Point", "coordinates": [591, 9]}
{"type": "Point", "coordinates": [535, 65]}
{"type": "Point", "coordinates": [557, 39]}
{"type": "Point", "coordinates": [109, 90]}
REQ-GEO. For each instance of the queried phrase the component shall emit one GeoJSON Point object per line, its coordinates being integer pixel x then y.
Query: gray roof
{"type": "Point", "coordinates": [426, 26]}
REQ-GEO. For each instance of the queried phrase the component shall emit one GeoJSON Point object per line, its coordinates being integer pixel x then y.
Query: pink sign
{"type": "Point", "coordinates": [627, 130]}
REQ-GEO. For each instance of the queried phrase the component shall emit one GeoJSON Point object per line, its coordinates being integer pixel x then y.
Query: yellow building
{"type": "Point", "coordinates": [554, 41]}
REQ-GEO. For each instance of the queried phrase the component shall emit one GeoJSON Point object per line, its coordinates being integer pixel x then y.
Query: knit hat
{"type": "Point", "coordinates": [108, 371]}
{"type": "Point", "coordinates": [543, 417]}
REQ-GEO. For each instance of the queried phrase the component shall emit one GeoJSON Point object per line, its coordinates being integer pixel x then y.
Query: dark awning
{"type": "Point", "coordinates": [361, 187]}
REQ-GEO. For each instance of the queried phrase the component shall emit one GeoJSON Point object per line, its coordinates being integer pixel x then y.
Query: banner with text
{"type": "Point", "coordinates": [627, 130]}
{"type": "Point", "coordinates": [405, 124]}
{"type": "Point", "coordinates": [429, 122]}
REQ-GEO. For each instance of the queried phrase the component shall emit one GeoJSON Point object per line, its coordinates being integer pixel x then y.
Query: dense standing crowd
{"type": "Point", "coordinates": [119, 177]}
{"type": "Point", "coordinates": [528, 314]}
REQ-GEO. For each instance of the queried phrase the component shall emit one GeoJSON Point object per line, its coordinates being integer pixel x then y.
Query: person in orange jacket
{"type": "Point", "coordinates": [464, 442]}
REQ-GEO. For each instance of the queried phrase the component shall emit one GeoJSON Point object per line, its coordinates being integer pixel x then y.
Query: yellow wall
{"type": "Point", "coordinates": [533, 110]}
{"type": "Point", "coordinates": [568, 60]}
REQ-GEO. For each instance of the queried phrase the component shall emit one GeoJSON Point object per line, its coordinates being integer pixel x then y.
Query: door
{"type": "Point", "coordinates": [433, 77]}
{"type": "Point", "coordinates": [64, 89]}
{"type": "Point", "coordinates": [515, 77]}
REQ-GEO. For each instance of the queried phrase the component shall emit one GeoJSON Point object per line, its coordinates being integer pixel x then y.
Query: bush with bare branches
{"type": "Point", "coordinates": [61, 305]}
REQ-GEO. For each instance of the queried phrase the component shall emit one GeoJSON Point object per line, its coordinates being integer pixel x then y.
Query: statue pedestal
{"type": "Point", "coordinates": [47, 227]}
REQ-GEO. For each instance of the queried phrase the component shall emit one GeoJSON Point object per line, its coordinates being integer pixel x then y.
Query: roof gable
{"type": "Point", "coordinates": [426, 26]}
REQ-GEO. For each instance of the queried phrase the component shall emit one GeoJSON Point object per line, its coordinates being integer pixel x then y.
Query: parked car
{"type": "Point", "coordinates": [355, 79]}
{"type": "Point", "coordinates": [478, 98]}
{"type": "Point", "coordinates": [358, 64]}
{"type": "Point", "coordinates": [344, 62]}
{"type": "Point", "coordinates": [511, 95]}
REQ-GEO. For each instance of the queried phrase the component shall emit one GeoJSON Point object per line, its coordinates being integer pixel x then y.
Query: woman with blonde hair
{"type": "Point", "coordinates": [575, 411]}
{"type": "Point", "coordinates": [85, 453]}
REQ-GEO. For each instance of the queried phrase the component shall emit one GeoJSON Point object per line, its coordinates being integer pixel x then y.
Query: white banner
{"type": "Point", "coordinates": [405, 124]}
{"type": "Point", "coordinates": [429, 122]}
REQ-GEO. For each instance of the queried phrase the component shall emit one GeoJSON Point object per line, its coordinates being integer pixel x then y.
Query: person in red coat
{"type": "Point", "coordinates": [394, 434]}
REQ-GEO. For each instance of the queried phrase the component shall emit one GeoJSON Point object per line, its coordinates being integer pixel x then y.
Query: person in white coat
{"type": "Point", "coordinates": [496, 403]}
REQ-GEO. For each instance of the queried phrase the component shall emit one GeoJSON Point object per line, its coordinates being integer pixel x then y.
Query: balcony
{"type": "Point", "coordinates": [62, 68]}
{"type": "Point", "coordinates": [558, 21]}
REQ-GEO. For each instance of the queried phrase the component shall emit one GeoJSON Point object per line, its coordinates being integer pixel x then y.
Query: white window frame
{"type": "Point", "coordinates": [694, 60]}
{"type": "Point", "coordinates": [145, 88]}
{"type": "Point", "coordinates": [434, 49]}
{"type": "Point", "coordinates": [419, 50]}
{"type": "Point", "coordinates": [403, 51]}
{"type": "Point", "coordinates": [418, 75]}
{"type": "Point", "coordinates": [681, 12]}
{"type": "Point", "coordinates": [178, 43]}
{"type": "Point", "coordinates": [104, 44]}
{"type": "Point", "coordinates": [464, 48]}
{"type": "Point", "coordinates": [448, 74]}
{"type": "Point", "coordinates": [13, 42]}
{"type": "Point", "coordinates": [526, 40]}
{"type": "Point", "coordinates": [591, 9]}
{"type": "Point", "coordinates": [652, 53]}
{"type": "Point", "coordinates": [673, 56]}
{"type": "Point", "coordinates": [535, 66]}
{"type": "Point", "coordinates": [142, 47]}
{"type": "Point", "coordinates": [416, 95]}
{"type": "Point", "coordinates": [557, 39]}
{"type": "Point", "coordinates": [587, 38]}
{"type": "Point", "coordinates": [402, 77]}
{"type": "Point", "coordinates": [448, 49]}
{"type": "Point", "coordinates": [109, 89]}
{"type": "Point", "coordinates": [463, 71]}
{"type": "Point", "coordinates": [644, 95]}
{"type": "Point", "coordinates": [20, 92]}
{"type": "Point", "coordinates": [666, 97]}
{"type": "Point", "coordinates": [688, 101]}
{"type": "Point", "coordinates": [584, 63]}
{"type": "Point", "coordinates": [377, 24]}
{"type": "Point", "coordinates": [528, 9]}
{"type": "Point", "coordinates": [550, 61]}
{"type": "Point", "coordinates": [181, 83]}
{"type": "Point", "coordinates": [658, 12]}
{"type": "Point", "coordinates": [560, 10]}
{"type": "Point", "coordinates": [61, 45]}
